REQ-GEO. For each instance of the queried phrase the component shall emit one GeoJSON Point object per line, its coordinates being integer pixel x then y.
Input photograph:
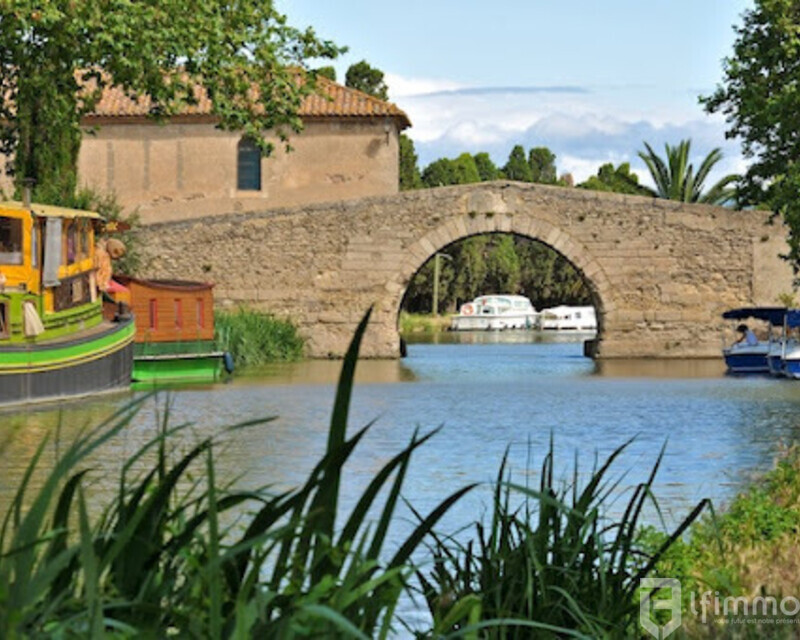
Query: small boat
{"type": "Point", "coordinates": [565, 318]}
{"type": "Point", "coordinates": [54, 341]}
{"type": "Point", "coordinates": [496, 312]}
{"type": "Point", "coordinates": [784, 355]}
{"type": "Point", "coordinates": [174, 330]}
{"type": "Point", "coordinates": [760, 356]}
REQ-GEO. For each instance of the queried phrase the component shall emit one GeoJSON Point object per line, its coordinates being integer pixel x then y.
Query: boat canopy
{"type": "Point", "coordinates": [773, 315]}
{"type": "Point", "coordinates": [793, 318]}
{"type": "Point", "coordinates": [50, 211]}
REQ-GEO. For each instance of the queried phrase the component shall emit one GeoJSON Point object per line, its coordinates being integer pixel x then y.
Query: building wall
{"type": "Point", "coordinates": [661, 272]}
{"type": "Point", "coordinates": [179, 171]}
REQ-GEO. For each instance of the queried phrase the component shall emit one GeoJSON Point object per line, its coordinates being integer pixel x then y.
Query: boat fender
{"type": "Point", "coordinates": [467, 309]}
{"type": "Point", "coordinates": [227, 361]}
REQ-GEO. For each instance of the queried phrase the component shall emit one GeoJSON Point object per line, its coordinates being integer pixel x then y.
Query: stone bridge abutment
{"type": "Point", "coordinates": [660, 272]}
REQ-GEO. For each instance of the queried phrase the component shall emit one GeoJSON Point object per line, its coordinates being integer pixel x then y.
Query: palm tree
{"type": "Point", "coordinates": [675, 179]}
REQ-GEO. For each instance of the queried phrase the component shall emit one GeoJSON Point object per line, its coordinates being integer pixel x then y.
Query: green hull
{"type": "Point", "coordinates": [176, 362]}
{"type": "Point", "coordinates": [91, 362]}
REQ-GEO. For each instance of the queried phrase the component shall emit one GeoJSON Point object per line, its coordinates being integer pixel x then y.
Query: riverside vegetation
{"type": "Point", "coordinates": [177, 552]}
{"type": "Point", "coordinates": [254, 338]}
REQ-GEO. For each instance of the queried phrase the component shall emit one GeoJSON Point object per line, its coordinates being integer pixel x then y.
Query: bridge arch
{"type": "Point", "coordinates": [522, 225]}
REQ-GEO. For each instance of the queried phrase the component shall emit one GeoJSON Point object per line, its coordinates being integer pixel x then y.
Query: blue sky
{"type": "Point", "coordinates": [590, 80]}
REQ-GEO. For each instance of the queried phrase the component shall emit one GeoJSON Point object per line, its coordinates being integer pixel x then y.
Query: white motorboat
{"type": "Point", "coordinates": [565, 318]}
{"type": "Point", "coordinates": [496, 312]}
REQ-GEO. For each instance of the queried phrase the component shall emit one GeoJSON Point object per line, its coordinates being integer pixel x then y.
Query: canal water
{"type": "Point", "coordinates": [488, 394]}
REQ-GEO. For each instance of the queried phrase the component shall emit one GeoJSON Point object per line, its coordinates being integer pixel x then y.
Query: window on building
{"type": "Point", "coordinates": [153, 314]}
{"type": "Point", "coordinates": [248, 166]}
{"type": "Point", "coordinates": [178, 313]}
{"type": "Point", "coordinates": [10, 241]}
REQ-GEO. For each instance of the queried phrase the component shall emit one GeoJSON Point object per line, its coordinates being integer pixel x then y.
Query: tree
{"type": "Point", "coordinates": [675, 179]}
{"type": "Point", "coordinates": [619, 180]}
{"type": "Point", "coordinates": [465, 170]}
{"type": "Point", "coordinates": [486, 168]}
{"type": "Point", "coordinates": [517, 167]}
{"type": "Point", "coordinates": [56, 58]}
{"type": "Point", "coordinates": [439, 173]}
{"type": "Point", "coordinates": [542, 162]}
{"type": "Point", "coordinates": [368, 79]}
{"type": "Point", "coordinates": [409, 172]}
{"type": "Point", "coordinates": [328, 72]}
{"type": "Point", "coordinates": [760, 98]}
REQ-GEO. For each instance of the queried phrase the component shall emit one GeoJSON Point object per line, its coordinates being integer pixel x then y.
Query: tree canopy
{"type": "Point", "coordinates": [619, 180]}
{"type": "Point", "coordinates": [368, 79]}
{"type": "Point", "coordinates": [408, 171]}
{"type": "Point", "coordinates": [675, 178]}
{"type": "Point", "coordinates": [760, 98]}
{"type": "Point", "coordinates": [56, 57]}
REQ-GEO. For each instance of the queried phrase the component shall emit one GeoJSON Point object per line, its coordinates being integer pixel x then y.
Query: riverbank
{"type": "Point", "coordinates": [423, 323]}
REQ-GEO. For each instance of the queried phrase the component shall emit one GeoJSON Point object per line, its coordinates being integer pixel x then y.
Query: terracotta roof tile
{"type": "Point", "coordinates": [331, 100]}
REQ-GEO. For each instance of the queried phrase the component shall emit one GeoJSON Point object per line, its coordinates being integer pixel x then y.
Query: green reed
{"type": "Point", "coordinates": [550, 564]}
{"type": "Point", "coordinates": [255, 338]}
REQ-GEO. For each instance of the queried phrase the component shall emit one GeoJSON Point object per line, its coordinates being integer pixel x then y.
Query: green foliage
{"type": "Point", "coordinates": [760, 98]}
{"type": "Point", "coordinates": [554, 561]}
{"type": "Point", "coordinates": [619, 180]}
{"type": "Point", "coordinates": [486, 168]}
{"type": "Point", "coordinates": [409, 172]}
{"type": "Point", "coordinates": [542, 162]}
{"type": "Point", "coordinates": [465, 169]}
{"type": "Point", "coordinates": [675, 179]}
{"type": "Point", "coordinates": [749, 549]}
{"type": "Point", "coordinates": [328, 72]}
{"type": "Point", "coordinates": [57, 56]}
{"type": "Point", "coordinates": [517, 167]}
{"type": "Point", "coordinates": [254, 338]}
{"type": "Point", "coordinates": [439, 173]}
{"type": "Point", "coordinates": [368, 79]}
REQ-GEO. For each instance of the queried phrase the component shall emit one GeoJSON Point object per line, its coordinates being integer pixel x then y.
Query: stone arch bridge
{"type": "Point", "coordinates": [660, 272]}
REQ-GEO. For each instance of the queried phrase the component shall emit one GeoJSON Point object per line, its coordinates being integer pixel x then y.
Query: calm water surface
{"type": "Point", "coordinates": [487, 392]}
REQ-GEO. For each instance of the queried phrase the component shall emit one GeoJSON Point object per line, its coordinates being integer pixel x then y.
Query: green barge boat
{"type": "Point", "coordinates": [54, 341]}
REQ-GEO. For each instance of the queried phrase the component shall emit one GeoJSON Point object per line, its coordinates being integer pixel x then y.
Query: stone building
{"type": "Point", "coordinates": [186, 167]}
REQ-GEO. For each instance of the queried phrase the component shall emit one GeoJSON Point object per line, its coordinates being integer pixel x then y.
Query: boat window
{"type": "Point", "coordinates": [10, 241]}
{"type": "Point", "coordinates": [178, 313]}
{"type": "Point", "coordinates": [4, 331]}
{"type": "Point", "coordinates": [201, 315]}
{"type": "Point", "coordinates": [85, 239]}
{"type": "Point", "coordinates": [72, 242]}
{"type": "Point", "coordinates": [248, 166]}
{"type": "Point", "coordinates": [35, 245]}
{"type": "Point", "coordinates": [153, 313]}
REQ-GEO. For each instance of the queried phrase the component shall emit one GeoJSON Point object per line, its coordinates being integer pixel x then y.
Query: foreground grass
{"type": "Point", "coordinates": [168, 556]}
{"type": "Point", "coordinates": [750, 550]}
{"type": "Point", "coordinates": [254, 338]}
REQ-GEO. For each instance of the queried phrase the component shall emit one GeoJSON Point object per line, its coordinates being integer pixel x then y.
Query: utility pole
{"type": "Point", "coordinates": [436, 270]}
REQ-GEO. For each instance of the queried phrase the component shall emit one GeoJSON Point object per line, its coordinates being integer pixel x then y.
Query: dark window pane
{"type": "Point", "coordinates": [248, 166]}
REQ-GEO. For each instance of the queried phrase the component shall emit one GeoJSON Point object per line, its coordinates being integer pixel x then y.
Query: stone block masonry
{"type": "Point", "coordinates": [661, 273]}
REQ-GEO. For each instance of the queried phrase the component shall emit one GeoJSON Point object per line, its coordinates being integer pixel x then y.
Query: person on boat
{"type": "Point", "coordinates": [746, 337]}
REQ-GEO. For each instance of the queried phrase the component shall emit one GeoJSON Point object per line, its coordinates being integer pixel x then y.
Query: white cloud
{"type": "Point", "coordinates": [584, 126]}
{"type": "Point", "coordinates": [400, 86]}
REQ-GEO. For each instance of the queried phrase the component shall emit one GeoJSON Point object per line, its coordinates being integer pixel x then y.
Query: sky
{"type": "Point", "coordinates": [590, 80]}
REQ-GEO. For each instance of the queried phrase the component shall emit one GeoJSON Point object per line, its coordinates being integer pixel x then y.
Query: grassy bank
{"type": "Point", "coordinates": [423, 323]}
{"type": "Point", "coordinates": [254, 338]}
{"type": "Point", "coordinates": [749, 551]}
{"type": "Point", "coordinates": [160, 560]}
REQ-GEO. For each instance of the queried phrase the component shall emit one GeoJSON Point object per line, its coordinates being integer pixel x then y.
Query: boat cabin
{"type": "Point", "coordinates": [170, 310]}
{"type": "Point", "coordinates": [47, 281]}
